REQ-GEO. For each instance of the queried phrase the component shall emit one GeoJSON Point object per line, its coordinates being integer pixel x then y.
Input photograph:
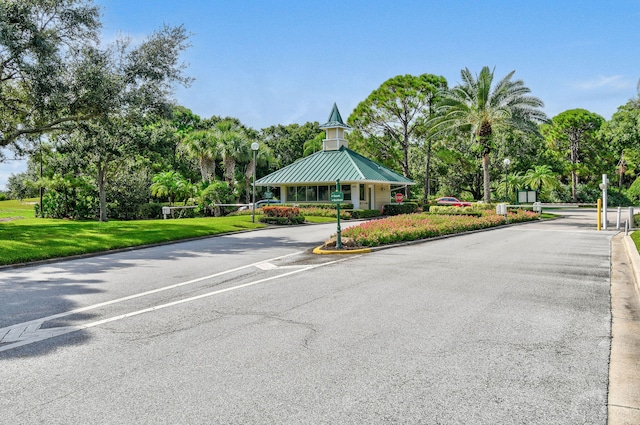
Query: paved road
{"type": "Point", "coordinates": [505, 326]}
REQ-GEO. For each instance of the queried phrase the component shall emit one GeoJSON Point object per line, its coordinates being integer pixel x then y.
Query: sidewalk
{"type": "Point", "coordinates": [624, 366]}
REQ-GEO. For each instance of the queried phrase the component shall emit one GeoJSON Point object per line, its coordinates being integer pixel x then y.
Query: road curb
{"type": "Point", "coordinates": [623, 404]}
{"type": "Point", "coordinates": [634, 258]}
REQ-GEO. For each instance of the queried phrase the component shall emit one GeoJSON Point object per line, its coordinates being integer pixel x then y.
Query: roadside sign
{"type": "Point", "coordinates": [337, 197]}
{"type": "Point", "coordinates": [268, 195]}
{"type": "Point", "coordinates": [399, 197]}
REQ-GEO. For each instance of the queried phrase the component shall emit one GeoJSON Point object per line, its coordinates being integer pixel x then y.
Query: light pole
{"type": "Point", "coordinates": [506, 163]}
{"type": "Point", "coordinates": [254, 148]}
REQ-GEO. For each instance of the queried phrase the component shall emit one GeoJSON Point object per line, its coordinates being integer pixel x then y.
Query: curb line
{"type": "Point", "coordinates": [634, 258]}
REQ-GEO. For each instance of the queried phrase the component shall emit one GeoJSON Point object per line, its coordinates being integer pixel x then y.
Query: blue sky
{"type": "Point", "coordinates": [280, 62]}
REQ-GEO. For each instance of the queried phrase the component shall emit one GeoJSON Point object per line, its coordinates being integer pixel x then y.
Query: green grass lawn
{"type": "Point", "coordinates": [24, 238]}
{"type": "Point", "coordinates": [13, 208]}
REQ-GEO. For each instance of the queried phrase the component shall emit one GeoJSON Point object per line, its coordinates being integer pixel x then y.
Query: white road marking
{"type": "Point", "coordinates": [28, 332]}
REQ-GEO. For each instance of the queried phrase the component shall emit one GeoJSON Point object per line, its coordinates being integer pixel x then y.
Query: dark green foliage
{"type": "Point", "coordinates": [217, 193]}
{"type": "Point", "coordinates": [151, 210]}
{"type": "Point", "coordinates": [72, 198]}
{"type": "Point", "coordinates": [286, 142]}
{"type": "Point", "coordinates": [282, 220]}
{"type": "Point", "coordinates": [397, 209]}
{"type": "Point", "coordinates": [634, 191]}
{"type": "Point", "coordinates": [360, 214]}
{"type": "Point", "coordinates": [127, 192]}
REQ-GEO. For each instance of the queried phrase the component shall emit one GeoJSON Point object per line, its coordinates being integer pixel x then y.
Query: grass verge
{"type": "Point", "coordinates": [30, 239]}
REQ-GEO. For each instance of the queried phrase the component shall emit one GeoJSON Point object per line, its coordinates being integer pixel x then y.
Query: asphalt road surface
{"type": "Point", "coordinates": [507, 326]}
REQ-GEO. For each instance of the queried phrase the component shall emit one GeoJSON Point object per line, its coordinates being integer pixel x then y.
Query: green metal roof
{"type": "Point", "coordinates": [335, 120]}
{"type": "Point", "coordinates": [329, 166]}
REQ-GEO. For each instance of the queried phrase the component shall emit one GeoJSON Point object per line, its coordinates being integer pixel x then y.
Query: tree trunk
{"type": "Point", "coordinates": [427, 179]}
{"type": "Point", "coordinates": [229, 171]}
{"type": "Point", "coordinates": [575, 146]}
{"type": "Point", "coordinates": [102, 192]}
{"type": "Point", "coordinates": [486, 181]}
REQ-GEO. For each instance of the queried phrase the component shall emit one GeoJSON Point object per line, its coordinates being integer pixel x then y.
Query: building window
{"type": "Point", "coordinates": [362, 194]}
{"type": "Point", "coordinates": [312, 194]}
{"type": "Point", "coordinates": [323, 193]}
{"type": "Point", "coordinates": [346, 190]}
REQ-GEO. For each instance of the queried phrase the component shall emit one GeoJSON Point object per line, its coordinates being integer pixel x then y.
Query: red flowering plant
{"type": "Point", "coordinates": [409, 227]}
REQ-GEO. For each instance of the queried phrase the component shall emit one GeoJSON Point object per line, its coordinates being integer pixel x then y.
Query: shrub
{"type": "Point", "coordinates": [282, 220]}
{"type": "Point", "coordinates": [3, 197]}
{"type": "Point", "coordinates": [343, 206]}
{"type": "Point", "coordinates": [151, 210]}
{"type": "Point", "coordinates": [397, 209]}
{"type": "Point", "coordinates": [281, 215]}
{"type": "Point", "coordinates": [365, 213]}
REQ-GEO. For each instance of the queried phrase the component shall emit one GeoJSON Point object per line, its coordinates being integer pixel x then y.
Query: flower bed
{"type": "Point", "coordinates": [410, 227]}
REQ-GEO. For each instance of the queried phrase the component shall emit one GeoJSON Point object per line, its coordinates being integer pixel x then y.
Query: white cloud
{"type": "Point", "coordinates": [615, 82]}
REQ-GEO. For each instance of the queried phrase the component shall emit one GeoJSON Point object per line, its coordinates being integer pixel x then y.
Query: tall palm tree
{"type": "Point", "coordinates": [264, 156]}
{"type": "Point", "coordinates": [234, 148]}
{"type": "Point", "coordinates": [205, 147]}
{"type": "Point", "coordinates": [482, 108]}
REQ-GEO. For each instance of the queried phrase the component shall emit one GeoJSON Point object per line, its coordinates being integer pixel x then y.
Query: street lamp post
{"type": "Point", "coordinates": [254, 148]}
{"type": "Point", "coordinates": [506, 163]}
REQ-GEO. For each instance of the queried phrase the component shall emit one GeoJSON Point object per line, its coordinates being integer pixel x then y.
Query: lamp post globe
{"type": "Point", "coordinates": [254, 148]}
{"type": "Point", "coordinates": [506, 163]}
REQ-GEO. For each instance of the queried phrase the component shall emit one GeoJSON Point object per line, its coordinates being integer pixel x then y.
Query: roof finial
{"type": "Point", "coordinates": [335, 120]}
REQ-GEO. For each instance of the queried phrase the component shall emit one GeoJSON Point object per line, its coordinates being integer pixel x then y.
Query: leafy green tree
{"type": "Point", "coordinates": [621, 135]}
{"type": "Point", "coordinates": [137, 83]}
{"type": "Point", "coordinates": [287, 141]}
{"type": "Point", "coordinates": [395, 111]}
{"type": "Point", "coordinates": [44, 66]}
{"type": "Point", "coordinates": [379, 148]}
{"type": "Point", "coordinates": [458, 169]}
{"type": "Point", "coordinates": [483, 108]}
{"type": "Point", "coordinates": [215, 194]}
{"type": "Point", "coordinates": [572, 134]}
{"type": "Point", "coordinates": [314, 145]}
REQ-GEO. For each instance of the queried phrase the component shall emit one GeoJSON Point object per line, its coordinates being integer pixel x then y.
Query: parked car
{"type": "Point", "coordinates": [451, 201]}
{"type": "Point", "coordinates": [261, 203]}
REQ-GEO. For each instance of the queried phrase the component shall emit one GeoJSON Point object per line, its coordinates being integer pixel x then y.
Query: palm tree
{"type": "Point", "coordinates": [541, 177]}
{"type": "Point", "coordinates": [203, 146]}
{"type": "Point", "coordinates": [234, 148]}
{"type": "Point", "coordinates": [481, 109]}
{"type": "Point", "coordinates": [168, 183]}
{"type": "Point", "coordinates": [264, 156]}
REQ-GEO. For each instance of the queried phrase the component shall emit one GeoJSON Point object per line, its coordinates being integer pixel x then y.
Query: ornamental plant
{"type": "Point", "coordinates": [410, 227]}
{"type": "Point", "coordinates": [282, 215]}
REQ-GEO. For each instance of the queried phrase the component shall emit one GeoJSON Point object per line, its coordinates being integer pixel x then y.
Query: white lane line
{"type": "Point", "coordinates": [52, 332]}
{"type": "Point", "coordinates": [143, 294]}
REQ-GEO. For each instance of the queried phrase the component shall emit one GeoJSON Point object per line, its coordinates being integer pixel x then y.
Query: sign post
{"type": "Point", "coordinates": [337, 197]}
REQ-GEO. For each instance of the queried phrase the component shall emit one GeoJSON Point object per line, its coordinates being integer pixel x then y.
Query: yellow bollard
{"type": "Point", "coordinates": [599, 214]}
